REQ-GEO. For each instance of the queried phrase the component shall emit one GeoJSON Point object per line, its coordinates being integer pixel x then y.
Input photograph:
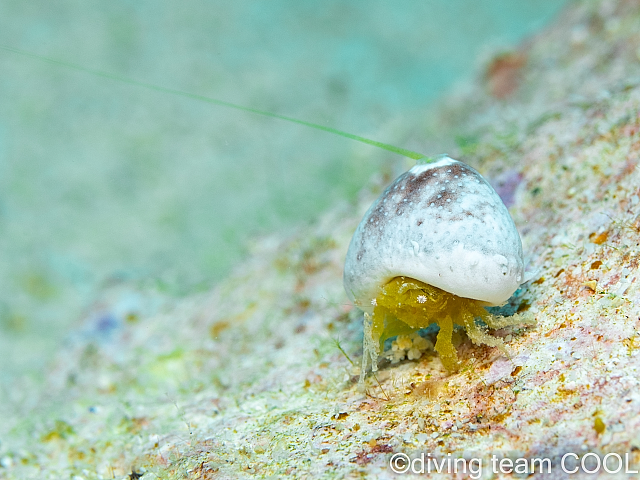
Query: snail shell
{"type": "Point", "coordinates": [440, 223]}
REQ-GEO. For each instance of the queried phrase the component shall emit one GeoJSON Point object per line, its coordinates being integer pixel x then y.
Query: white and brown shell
{"type": "Point", "coordinates": [440, 223]}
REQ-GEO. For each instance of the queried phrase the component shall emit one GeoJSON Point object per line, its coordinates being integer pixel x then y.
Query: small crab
{"type": "Point", "coordinates": [436, 247]}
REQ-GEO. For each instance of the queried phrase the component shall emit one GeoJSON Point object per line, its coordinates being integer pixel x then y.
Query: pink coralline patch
{"type": "Point", "coordinates": [497, 428]}
{"type": "Point", "coordinates": [313, 377]}
{"type": "Point", "coordinates": [506, 185]}
{"type": "Point", "coordinates": [501, 368]}
{"type": "Point", "coordinates": [613, 280]}
{"type": "Point", "coordinates": [367, 405]}
{"type": "Point", "coordinates": [490, 403]}
{"type": "Point", "coordinates": [446, 425]}
{"type": "Point", "coordinates": [554, 416]}
{"type": "Point", "coordinates": [543, 377]}
{"type": "Point", "coordinates": [627, 169]}
{"type": "Point", "coordinates": [573, 285]}
{"type": "Point", "coordinates": [504, 74]}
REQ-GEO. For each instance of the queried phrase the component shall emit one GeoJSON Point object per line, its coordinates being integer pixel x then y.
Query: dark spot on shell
{"type": "Point", "coordinates": [443, 198]}
{"type": "Point", "coordinates": [415, 185]}
{"type": "Point", "coordinates": [414, 191]}
{"type": "Point", "coordinates": [461, 216]}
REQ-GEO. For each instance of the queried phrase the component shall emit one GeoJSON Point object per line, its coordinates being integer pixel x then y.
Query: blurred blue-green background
{"type": "Point", "coordinates": [101, 181]}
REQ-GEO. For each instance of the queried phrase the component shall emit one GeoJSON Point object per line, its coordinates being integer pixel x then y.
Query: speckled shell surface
{"type": "Point", "coordinates": [442, 224]}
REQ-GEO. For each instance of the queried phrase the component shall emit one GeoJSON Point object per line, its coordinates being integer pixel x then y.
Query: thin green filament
{"type": "Point", "coordinates": [202, 98]}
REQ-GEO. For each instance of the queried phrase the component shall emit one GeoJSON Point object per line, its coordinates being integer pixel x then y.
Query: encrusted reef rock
{"type": "Point", "coordinates": [257, 378]}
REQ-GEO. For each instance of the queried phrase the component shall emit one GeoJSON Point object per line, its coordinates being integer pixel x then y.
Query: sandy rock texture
{"type": "Point", "coordinates": [258, 377]}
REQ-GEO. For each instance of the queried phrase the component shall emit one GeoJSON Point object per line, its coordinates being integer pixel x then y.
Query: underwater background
{"type": "Point", "coordinates": [102, 182]}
